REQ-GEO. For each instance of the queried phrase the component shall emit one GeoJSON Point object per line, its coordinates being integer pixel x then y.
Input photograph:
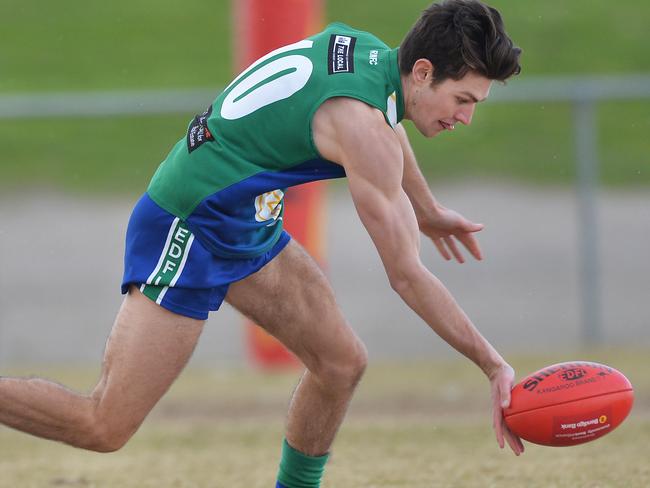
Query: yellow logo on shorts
{"type": "Point", "coordinates": [602, 419]}
{"type": "Point", "coordinates": [268, 205]}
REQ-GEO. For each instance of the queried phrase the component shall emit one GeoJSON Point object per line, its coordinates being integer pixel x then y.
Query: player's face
{"type": "Point", "coordinates": [439, 107]}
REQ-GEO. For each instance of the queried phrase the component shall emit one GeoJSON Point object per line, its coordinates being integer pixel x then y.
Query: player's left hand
{"type": "Point", "coordinates": [501, 382]}
{"type": "Point", "coordinates": [447, 226]}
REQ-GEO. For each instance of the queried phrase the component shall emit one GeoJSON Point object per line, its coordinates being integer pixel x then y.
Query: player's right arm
{"type": "Point", "coordinates": [356, 136]}
{"type": "Point", "coordinates": [442, 225]}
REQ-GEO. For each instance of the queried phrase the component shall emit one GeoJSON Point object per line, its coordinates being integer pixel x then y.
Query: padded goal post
{"type": "Point", "coordinates": [261, 26]}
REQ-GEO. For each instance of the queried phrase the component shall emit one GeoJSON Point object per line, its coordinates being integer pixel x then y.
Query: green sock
{"type": "Point", "coordinates": [297, 470]}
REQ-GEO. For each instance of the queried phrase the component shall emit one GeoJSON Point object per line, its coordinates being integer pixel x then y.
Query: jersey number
{"type": "Point", "coordinates": [274, 81]}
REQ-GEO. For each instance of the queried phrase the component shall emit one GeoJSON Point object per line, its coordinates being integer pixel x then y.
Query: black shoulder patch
{"type": "Point", "coordinates": [340, 57]}
{"type": "Point", "coordinates": [198, 132]}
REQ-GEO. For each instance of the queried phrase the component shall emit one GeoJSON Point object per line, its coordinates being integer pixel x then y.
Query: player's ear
{"type": "Point", "coordinates": [422, 71]}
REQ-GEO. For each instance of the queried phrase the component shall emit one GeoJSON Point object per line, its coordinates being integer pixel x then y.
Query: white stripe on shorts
{"type": "Point", "coordinates": [162, 295]}
{"type": "Point", "coordinates": [165, 250]}
{"type": "Point", "coordinates": [182, 265]}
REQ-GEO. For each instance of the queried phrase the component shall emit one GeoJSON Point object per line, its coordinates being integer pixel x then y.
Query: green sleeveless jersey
{"type": "Point", "coordinates": [227, 178]}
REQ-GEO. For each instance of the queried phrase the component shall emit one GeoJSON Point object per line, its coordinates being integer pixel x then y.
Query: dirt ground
{"type": "Point", "coordinates": [61, 262]}
{"type": "Point", "coordinates": [423, 424]}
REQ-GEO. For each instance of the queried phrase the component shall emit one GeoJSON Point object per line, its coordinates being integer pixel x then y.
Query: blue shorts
{"type": "Point", "coordinates": [173, 269]}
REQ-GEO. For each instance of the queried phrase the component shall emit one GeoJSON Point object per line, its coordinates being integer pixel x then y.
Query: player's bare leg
{"type": "Point", "coordinates": [291, 298]}
{"type": "Point", "coordinates": [147, 349]}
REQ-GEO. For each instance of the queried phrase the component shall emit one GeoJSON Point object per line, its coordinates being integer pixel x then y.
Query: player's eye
{"type": "Point", "coordinates": [462, 100]}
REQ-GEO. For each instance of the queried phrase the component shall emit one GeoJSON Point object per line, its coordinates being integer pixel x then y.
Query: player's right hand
{"type": "Point", "coordinates": [447, 226]}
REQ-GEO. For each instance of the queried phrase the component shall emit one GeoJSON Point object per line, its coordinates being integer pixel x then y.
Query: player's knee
{"type": "Point", "coordinates": [105, 440]}
{"type": "Point", "coordinates": [103, 435]}
{"type": "Point", "coordinates": [345, 372]}
{"type": "Point", "coordinates": [359, 362]}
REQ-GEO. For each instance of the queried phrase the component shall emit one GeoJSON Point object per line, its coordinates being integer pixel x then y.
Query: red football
{"type": "Point", "coordinates": [569, 403]}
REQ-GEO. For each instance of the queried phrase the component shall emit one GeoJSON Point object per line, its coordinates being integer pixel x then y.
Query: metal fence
{"type": "Point", "coordinates": [580, 91]}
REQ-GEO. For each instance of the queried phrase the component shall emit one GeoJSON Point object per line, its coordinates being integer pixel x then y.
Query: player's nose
{"type": "Point", "coordinates": [464, 115]}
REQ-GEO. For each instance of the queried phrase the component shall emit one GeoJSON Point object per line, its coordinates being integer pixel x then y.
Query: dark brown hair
{"type": "Point", "coordinates": [459, 36]}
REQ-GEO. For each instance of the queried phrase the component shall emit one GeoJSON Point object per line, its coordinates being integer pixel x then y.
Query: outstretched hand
{"type": "Point", "coordinates": [501, 381]}
{"type": "Point", "coordinates": [446, 227]}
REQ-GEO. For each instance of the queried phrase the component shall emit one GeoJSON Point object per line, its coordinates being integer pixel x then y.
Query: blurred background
{"type": "Point", "coordinates": [566, 261]}
{"type": "Point", "coordinates": [556, 165]}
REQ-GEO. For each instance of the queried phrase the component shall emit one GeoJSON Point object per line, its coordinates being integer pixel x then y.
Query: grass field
{"type": "Point", "coordinates": [532, 144]}
{"type": "Point", "coordinates": [120, 155]}
{"type": "Point", "coordinates": [127, 44]}
{"type": "Point", "coordinates": [411, 425]}
{"type": "Point", "coordinates": [74, 45]}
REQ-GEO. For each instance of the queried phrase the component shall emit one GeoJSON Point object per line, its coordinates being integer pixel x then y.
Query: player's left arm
{"type": "Point", "coordinates": [442, 225]}
{"type": "Point", "coordinates": [357, 137]}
